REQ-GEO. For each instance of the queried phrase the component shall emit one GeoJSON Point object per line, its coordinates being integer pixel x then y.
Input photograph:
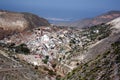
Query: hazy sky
{"type": "Point", "coordinates": [61, 9]}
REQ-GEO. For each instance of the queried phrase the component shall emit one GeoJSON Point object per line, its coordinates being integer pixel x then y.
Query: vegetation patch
{"type": "Point", "coordinates": [22, 48]}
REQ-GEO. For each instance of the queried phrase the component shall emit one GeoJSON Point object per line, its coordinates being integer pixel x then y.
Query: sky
{"type": "Point", "coordinates": [61, 10]}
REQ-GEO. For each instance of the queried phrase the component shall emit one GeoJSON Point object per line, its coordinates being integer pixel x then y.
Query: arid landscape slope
{"type": "Point", "coordinates": [13, 22]}
{"type": "Point", "coordinates": [102, 60]}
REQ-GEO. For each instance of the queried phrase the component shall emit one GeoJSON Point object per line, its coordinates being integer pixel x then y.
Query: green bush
{"type": "Point", "coordinates": [46, 59]}
{"type": "Point", "coordinates": [22, 48]}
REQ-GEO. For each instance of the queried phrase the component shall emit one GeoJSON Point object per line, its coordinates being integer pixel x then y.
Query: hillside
{"type": "Point", "coordinates": [103, 18]}
{"type": "Point", "coordinates": [12, 22]}
{"type": "Point", "coordinates": [104, 67]}
{"type": "Point", "coordinates": [11, 69]}
{"type": "Point", "coordinates": [102, 58]}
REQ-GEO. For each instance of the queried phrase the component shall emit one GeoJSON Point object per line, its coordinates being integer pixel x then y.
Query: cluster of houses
{"type": "Point", "coordinates": [56, 44]}
{"type": "Point", "coordinates": [47, 44]}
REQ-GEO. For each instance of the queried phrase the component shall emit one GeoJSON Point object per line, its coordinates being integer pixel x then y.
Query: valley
{"type": "Point", "coordinates": [49, 52]}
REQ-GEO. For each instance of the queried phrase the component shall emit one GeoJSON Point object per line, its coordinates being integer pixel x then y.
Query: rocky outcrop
{"type": "Point", "coordinates": [18, 22]}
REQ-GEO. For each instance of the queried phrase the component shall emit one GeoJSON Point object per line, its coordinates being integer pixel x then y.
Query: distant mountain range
{"type": "Point", "coordinates": [104, 18]}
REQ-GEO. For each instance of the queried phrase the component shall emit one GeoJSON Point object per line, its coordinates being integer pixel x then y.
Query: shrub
{"type": "Point", "coordinates": [46, 59]}
{"type": "Point", "coordinates": [22, 48]}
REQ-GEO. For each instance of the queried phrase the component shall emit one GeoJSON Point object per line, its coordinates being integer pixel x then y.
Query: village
{"type": "Point", "coordinates": [60, 49]}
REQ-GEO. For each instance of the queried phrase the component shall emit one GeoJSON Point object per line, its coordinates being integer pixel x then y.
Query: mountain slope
{"type": "Point", "coordinates": [102, 58]}
{"type": "Point", "coordinates": [104, 67]}
{"type": "Point", "coordinates": [10, 69]}
{"type": "Point", "coordinates": [104, 18]}
{"type": "Point", "coordinates": [11, 22]}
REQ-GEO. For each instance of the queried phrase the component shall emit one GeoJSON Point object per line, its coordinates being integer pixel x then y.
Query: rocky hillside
{"type": "Point", "coordinates": [11, 22]}
{"type": "Point", "coordinates": [102, 58]}
{"type": "Point", "coordinates": [104, 18]}
{"type": "Point", "coordinates": [11, 69]}
{"type": "Point", "coordinates": [105, 66]}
